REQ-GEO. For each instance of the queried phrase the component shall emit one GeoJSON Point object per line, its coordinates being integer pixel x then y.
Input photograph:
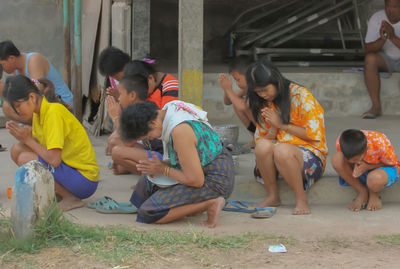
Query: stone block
{"type": "Point", "coordinates": [34, 194]}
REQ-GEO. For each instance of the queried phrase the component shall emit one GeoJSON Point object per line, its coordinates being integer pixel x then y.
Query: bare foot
{"type": "Point", "coordinates": [69, 203]}
{"type": "Point", "coordinates": [269, 201]}
{"type": "Point", "coordinates": [302, 208]}
{"type": "Point", "coordinates": [361, 199]}
{"type": "Point", "coordinates": [374, 202]}
{"type": "Point", "coordinates": [213, 211]}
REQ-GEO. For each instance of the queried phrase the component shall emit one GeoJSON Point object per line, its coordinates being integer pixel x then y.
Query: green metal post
{"type": "Point", "coordinates": [78, 60]}
{"type": "Point", "coordinates": [67, 44]}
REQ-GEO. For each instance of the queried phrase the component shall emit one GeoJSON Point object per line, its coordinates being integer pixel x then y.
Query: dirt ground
{"type": "Point", "coordinates": [354, 252]}
{"type": "Point", "coordinates": [331, 237]}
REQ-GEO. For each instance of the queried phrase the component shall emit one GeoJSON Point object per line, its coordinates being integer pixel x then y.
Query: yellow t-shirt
{"type": "Point", "coordinates": [56, 127]}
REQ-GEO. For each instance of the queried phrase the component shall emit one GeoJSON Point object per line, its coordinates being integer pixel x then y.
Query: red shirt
{"type": "Point", "coordinates": [166, 92]}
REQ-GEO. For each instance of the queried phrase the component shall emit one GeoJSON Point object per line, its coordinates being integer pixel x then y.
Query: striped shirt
{"type": "Point", "coordinates": [167, 91]}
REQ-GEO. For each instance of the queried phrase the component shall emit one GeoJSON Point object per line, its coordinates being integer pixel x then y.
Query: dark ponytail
{"type": "Point", "coordinates": [49, 92]}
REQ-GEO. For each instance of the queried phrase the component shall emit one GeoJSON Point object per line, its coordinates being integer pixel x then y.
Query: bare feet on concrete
{"type": "Point", "coordinates": [213, 211]}
{"type": "Point", "coordinates": [359, 202]}
{"type": "Point", "coordinates": [374, 202]}
{"type": "Point", "coordinates": [302, 207]}
{"type": "Point", "coordinates": [69, 203]}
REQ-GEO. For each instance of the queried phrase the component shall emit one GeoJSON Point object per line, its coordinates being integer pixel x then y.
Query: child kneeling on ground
{"type": "Point", "coordinates": [57, 140]}
{"type": "Point", "coordinates": [366, 161]}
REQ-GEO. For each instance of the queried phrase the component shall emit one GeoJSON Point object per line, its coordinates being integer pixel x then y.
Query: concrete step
{"type": "Point", "coordinates": [340, 93]}
{"type": "Point", "coordinates": [326, 191]}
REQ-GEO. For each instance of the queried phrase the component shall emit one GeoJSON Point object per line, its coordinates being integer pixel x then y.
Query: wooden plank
{"type": "Point", "coordinates": [91, 10]}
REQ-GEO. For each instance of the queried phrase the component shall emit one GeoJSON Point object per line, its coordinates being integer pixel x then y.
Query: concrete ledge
{"type": "Point", "coordinates": [339, 93]}
{"type": "Point", "coordinates": [325, 192]}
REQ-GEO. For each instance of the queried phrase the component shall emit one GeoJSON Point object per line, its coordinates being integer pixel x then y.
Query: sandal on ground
{"type": "Point", "coordinates": [112, 207]}
{"type": "Point", "coordinates": [369, 115]}
{"type": "Point", "coordinates": [240, 206]}
{"type": "Point", "coordinates": [264, 212]}
{"type": "Point", "coordinates": [102, 201]}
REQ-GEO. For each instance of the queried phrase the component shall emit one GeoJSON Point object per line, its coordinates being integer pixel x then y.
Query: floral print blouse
{"type": "Point", "coordinates": [379, 149]}
{"type": "Point", "coordinates": [306, 112]}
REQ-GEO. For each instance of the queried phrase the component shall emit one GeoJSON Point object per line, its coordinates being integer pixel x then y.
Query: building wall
{"type": "Point", "coordinates": [218, 17]}
{"type": "Point", "coordinates": [34, 25]}
{"type": "Point", "coordinates": [37, 25]}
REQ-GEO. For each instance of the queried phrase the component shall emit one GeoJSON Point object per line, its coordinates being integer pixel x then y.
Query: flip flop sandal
{"type": "Point", "coordinates": [112, 207]}
{"type": "Point", "coordinates": [2, 148]}
{"type": "Point", "coordinates": [369, 116]}
{"type": "Point", "coordinates": [240, 206]}
{"type": "Point", "coordinates": [103, 200]}
{"type": "Point", "coordinates": [264, 212]}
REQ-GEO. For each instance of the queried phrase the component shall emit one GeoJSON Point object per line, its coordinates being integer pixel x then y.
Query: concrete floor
{"type": "Point", "coordinates": [328, 200]}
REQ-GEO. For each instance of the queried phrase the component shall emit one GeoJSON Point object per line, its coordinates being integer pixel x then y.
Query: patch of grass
{"type": "Point", "coordinates": [118, 244]}
{"type": "Point", "coordinates": [335, 241]}
{"type": "Point", "coordinates": [392, 240]}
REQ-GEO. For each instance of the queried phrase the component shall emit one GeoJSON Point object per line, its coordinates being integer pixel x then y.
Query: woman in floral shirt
{"type": "Point", "coordinates": [300, 151]}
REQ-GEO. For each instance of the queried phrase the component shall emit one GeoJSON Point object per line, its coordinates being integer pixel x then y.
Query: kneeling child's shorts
{"type": "Point", "coordinates": [391, 172]}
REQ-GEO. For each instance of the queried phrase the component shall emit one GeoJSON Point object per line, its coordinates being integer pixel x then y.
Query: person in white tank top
{"type": "Point", "coordinates": [382, 51]}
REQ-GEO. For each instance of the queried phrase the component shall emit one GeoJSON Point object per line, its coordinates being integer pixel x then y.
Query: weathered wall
{"type": "Point", "coordinates": [34, 25]}
{"type": "Point", "coordinates": [218, 16]}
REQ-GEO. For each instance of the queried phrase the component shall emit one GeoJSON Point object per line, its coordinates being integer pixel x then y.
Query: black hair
{"type": "Point", "coordinates": [18, 88]}
{"type": "Point", "coordinates": [352, 143]}
{"type": "Point", "coordinates": [135, 120]}
{"type": "Point", "coordinates": [136, 83]}
{"type": "Point", "coordinates": [261, 74]}
{"type": "Point", "coordinates": [1, 71]}
{"type": "Point", "coordinates": [7, 49]}
{"type": "Point", "coordinates": [112, 61]}
{"type": "Point", "coordinates": [137, 67]}
{"type": "Point", "coordinates": [240, 64]}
